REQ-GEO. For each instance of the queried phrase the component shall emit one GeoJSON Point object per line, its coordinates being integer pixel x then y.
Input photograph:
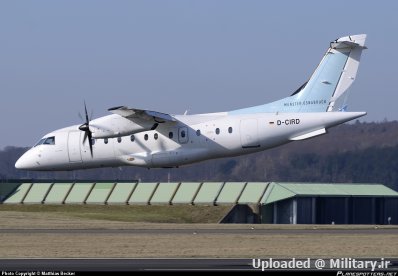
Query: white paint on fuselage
{"type": "Point", "coordinates": [267, 130]}
{"type": "Point", "coordinates": [300, 116]}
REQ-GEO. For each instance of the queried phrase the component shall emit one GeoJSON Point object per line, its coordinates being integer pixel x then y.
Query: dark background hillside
{"type": "Point", "coordinates": [359, 152]}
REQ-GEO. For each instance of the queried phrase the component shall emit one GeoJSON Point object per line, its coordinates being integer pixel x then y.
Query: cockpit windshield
{"type": "Point", "coordinates": [40, 142]}
{"type": "Point", "coordinates": [46, 141]}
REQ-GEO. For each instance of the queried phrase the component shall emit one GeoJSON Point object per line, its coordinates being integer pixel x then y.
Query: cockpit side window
{"type": "Point", "coordinates": [49, 141]}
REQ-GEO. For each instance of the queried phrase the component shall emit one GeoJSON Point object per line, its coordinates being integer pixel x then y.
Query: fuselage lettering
{"type": "Point", "coordinates": [288, 122]}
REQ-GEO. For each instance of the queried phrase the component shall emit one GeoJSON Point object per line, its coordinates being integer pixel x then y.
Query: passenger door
{"type": "Point", "coordinates": [74, 146]}
{"type": "Point", "coordinates": [249, 133]}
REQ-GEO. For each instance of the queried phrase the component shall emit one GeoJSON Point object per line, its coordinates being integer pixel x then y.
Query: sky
{"type": "Point", "coordinates": [172, 56]}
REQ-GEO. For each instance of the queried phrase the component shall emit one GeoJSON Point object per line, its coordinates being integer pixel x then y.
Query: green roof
{"type": "Point", "coordinates": [253, 192]}
{"type": "Point", "coordinates": [275, 193]}
{"type": "Point", "coordinates": [279, 191]}
{"type": "Point", "coordinates": [186, 192]}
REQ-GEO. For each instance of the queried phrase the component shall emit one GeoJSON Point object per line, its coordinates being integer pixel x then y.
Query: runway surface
{"type": "Point", "coordinates": [173, 264]}
{"type": "Point", "coordinates": [220, 231]}
{"type": "Point", "coordinates": [120, 265]}
{"type": "Point", "coordinates": [123, 264]}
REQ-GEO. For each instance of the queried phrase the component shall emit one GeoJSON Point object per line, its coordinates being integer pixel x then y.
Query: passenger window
{"type": "Point", "coordinates": [106, 141]}
{"type": "Point", "coordinates": [119, 139]}
{"type": "Point", "coordinates": [183, 133]}
{"type": "Point", "coordinates": [171, 135]}
{"type": "Point", "coordinates": [49, 141]}
{"type": "Point", "coordinates": [198, 132]}
{"type": "Point", "coordinates": [217, 131]}
{"type": "Point", "coordinates": [92, 141]}
{"type": "Point", "coordinates": [230, 130]}
{"type": "Point", "coordinates": [155, 136]}
{"type": "Point", "coordinates": [146, 137]}
{"type": "Point", "coordinates": [132, 138]}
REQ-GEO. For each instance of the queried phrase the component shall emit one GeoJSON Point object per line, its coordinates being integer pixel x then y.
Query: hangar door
{"type": "Point", "coordinates": [249, 133]}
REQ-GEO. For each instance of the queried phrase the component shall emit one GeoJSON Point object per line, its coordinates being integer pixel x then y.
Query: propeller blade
{"type": "Point", "coordinates": [84, 137]}
{"type": "Point", "coordinates": [85, 109]}
{"type": "Point", "coordinates": [90, 142]}
{"type": "Point", "coordinates": [87, 132]}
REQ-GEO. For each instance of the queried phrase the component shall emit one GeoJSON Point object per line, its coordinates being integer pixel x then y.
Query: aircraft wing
{"type": "Point", "coordinates": [135, 113]}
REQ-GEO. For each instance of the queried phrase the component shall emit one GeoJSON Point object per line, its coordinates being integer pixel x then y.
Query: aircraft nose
{"type": "Point", "coordinates": [25, 162]}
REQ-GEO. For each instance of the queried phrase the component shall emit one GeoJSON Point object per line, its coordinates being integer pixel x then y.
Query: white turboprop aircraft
{"type": "Point", "coordinates": [136, 137]}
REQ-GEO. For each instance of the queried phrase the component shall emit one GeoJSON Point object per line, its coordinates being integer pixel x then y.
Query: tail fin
{"type": "Point", "coordinates": [356, 44]}
{"type": "Point", "coordinates": [330, 80]}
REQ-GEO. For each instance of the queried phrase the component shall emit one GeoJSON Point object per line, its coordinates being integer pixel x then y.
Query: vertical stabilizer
{"type": "Point", "coordinates": [356, 44]}
{"type": "Point", "coordinates": [330, 80]}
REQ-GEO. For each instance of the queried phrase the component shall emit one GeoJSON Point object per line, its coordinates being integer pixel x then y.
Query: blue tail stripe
{"type": "Point", "coordinates": [316, 94]}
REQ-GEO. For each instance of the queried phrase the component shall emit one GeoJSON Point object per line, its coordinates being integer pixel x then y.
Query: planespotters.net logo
{"type": "Point", "coordinates": [319, 264]}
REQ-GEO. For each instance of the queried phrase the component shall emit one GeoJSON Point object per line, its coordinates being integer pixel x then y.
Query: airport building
{"type": "Point", "coordinates": [251, 202]}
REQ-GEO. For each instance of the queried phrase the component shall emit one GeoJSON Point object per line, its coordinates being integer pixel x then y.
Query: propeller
{"type": "Point", "coordinates": [87, 132]}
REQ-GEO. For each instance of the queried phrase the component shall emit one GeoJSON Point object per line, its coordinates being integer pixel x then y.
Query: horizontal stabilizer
{"type": "Point", "coordinates": [309, 135]}
{"type": "Point", "coordinates": [350, 41]}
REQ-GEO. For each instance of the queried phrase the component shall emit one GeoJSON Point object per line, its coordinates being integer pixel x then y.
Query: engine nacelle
{"type": "Point", "coordinates": [114, 126]}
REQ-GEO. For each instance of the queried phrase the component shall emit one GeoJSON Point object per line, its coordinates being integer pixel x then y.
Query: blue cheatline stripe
{"type": "Point", "coordinates": [316, 94]}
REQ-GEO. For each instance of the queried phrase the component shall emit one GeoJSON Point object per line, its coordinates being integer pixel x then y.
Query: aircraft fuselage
{"type": "Point", "coordinates": [139, 137]}
{"type": "Point", "coordinates": [191, 139]}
